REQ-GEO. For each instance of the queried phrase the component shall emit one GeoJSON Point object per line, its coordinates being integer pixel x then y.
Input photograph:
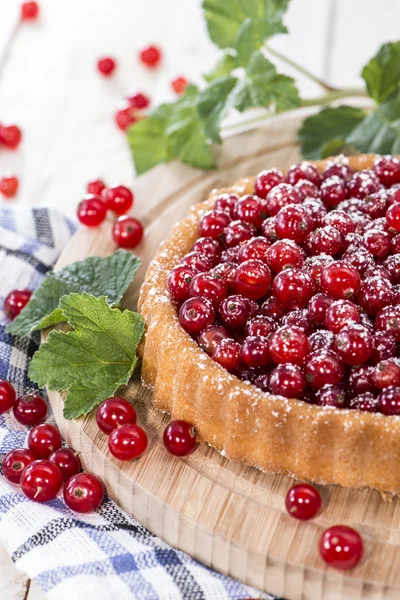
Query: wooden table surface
{"type": "Point", "coordinates": [50, 87]}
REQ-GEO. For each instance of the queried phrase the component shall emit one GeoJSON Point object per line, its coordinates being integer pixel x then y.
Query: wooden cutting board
{"type": "Point", "coordinates": [226, 515]}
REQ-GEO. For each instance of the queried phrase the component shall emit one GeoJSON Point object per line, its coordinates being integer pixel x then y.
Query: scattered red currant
{"type": "Point", "coordinates": [44, 439]}
{"type": "Point", "coordinates": [113, 412]}
{"type": "Point", "coordinates": [127, 232]}
{"type": "Point", "coordinates": [9, 186]}
{"type": "Point", "coordinates": [29, 11]}
{"type": "Point", "coordinates": [341, 547]}
{"type": "Point", "coordinates": [92, 210]}
{"type": "Point", "coordinates": [30, 410]}
{"type": "Point", "coordinates": [15, 301]}
{"type": "Point", "coordinates": [95, 186]}
{"type": "Point", "coordinates": [138, 101]}
{"type": "Point", "coordinates": [7, 396]}
{"type": "Point", "coordinates": [180, 438]}
{"type": "Point", "coordinates": [68, 462]}
{"type": "Point", "coordinates": [150, 56]}
{"type": "Point", "coordinates": [125, 117]}
{"type": "Point", "coordinates": [41, 480]}
{"type": "Point", "coordinates": [118, 198]}
{"type": "Point", "coordinates": [14, 463]}
{"type": "Point", "coordinates": [179, 85]}
{"type": "Point", "coordinates": [84, 493]}
{"type": "Point", "coordinates": [303, 501]}
{"type": "Point", "coordinates": [106, 65]}
{"type": "Point", "coordinates": [127, 442]}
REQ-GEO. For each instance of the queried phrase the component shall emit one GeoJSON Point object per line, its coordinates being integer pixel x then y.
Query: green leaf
{"type": "Point", "coordinates": [379, 132]}
{"type": "Point", "coordinates": [263, 86]}
{"type": "Point", "coordinates": [335, 147]}
{"type": "Point", "coordinates": [329, 124]}
{"type": "Point", "coordinates": [91, 362]}
{"type": "Point", "coordinates": [109, 276]}
{"type": "Point", "coordinates": [148, 141]}
{"type": "Point", "coordinates": [382, 73]}
{"type": "Point", "coordinates": [225, 65]}
{"type": "Point", "coordinates": [244, 23]}
{"type": "Point", "coordinates": [186, 134]}
{"type": "Point", "coordinates": [213, 103]}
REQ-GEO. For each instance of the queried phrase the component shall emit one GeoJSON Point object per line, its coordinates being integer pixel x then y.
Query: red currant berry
{"type": "Point", "coordinates": [179, 85]}
{"type": "Point", "coordinates": [125, 117]}
{"type": "Point", "coordinates": [150, 56]}
{"type": "Point", "coordinates": [331, 395]}
{"type": "Point", "coordinates": [262, 382]}
{"type": "Point", "coordinates": [387, 373]}
{"type": "Point", "coordinates": [306, 189]}
{"type": "Point", "coordinates": [7, 396]}
{"type": "Point", "coordinates": [127, 442]}
{"type": "Point", "coordinates": [387, 169]}
{"type": "Point", "coordinates": [235, 311]}
{"type": "Point", "coordinates": [106, 65]}
{"type": "Point", "coordinates": [92, 210]}
{"type": "Point", "coordinates": [209, 247]}
{"type": "Point", "coordinates": [374, 205]}
{"type": "Point", "coordinates": [378, 243]}
{"type": "Point", "coordinates": [298, 318]}
{"type": "Point", "coordinates": [254, 352]}
{"type": "Point", "coordinates": [375, 294]}
{"type": "Point", "coordinates": [324, 240]}
{"type": "Point", "coordinates": [95, 186]}
{"type": "Point", "coordinates": [303, 170]}
{"type": "Point", "coordinates": [252, 279]}
{"type": "Point", "coordinates": [293, 288]}
{"type": "Point", "coordinates": [333, 191]}
{"type": "Point", "coordinates": [314, 265]}
{"type": "Point", "coordinates": [179, 281]}
{"type": "Point", "coordinates": [384, 346]}
{"type": "Point", "coordinates": [363, 183]}
{"type": "Point", "coordinates": [280, 196]}
{"type": "Point", "coordinates": [213, 224]}
{"type": "Point", "coordinates": [15, 462]}
{"type": "Point", "coordinates": [9, 186]}
{"type": "Point", "coordinates": [316, 211]}
{"type": "Point", "coordinates": [260, 325]}
{"type": "Point", "coordinates": [318, 307]}
{"type": "Point", "coordinates": [113, 412]}
{"type": "Point", "coordinates": [250, 209]}
{"type": "Point", "coordinates": [340, 221]}
{"type": "Point", "coordinates": [339, 280]}
{"type": "Point", "coordinates": [237, 233]}
{"type": "Point", "coordinates": [10, 136]}
{"type": "Point", "coordinates": [361, 380]}
{"type": "Point", "coordinates": [30, 410]}
{"type": "Point", "coordinates": [392, 265]}
{"type": "Point", "coordinates": [138, 101]}
{"type": "Point", "coordinates": [268, 229]}
{"type": "Point", "coordinates": [284, 254]}
{"type": "Point", "coordinates": [366, 402]}
{"type": "Point", "coordinates": [29, 11]}
{"type": "Point", "coordinates": [323, 367]}
{"type": "Point", "coordinates": [67, 461]}
{"type": "Point", "coordinates": [340, 313]}
{"type": "Point", "coordinates": [321, 340]}
{"type": "Point", "coordinates": [354, 344]}
{"type": "Point", "coordinates": [180, 438]}
{"type": "Point", "coordinates": [227, 354]}
{"type": "Point", "coordinates": [395, 245]}
{"type": "Point", "coordinates": [393, 216]}
{"type": "Point", "coordinates": [389, 401]}
{"type": "Point", "coordinates": [255, 248]}
{"type": "Point", "coordinates": [226, 203]}
{"type": "Point", "coordinates": [44, 439]}
{"type": "Point", "coordinates": [210, 287]}
{"type": "Point", "coordinates": [15, 301]}
{"type": "Point", "coordinates": [359, 258]}
{"type": "Point", "coordinates": [293, 223]}
{"type": "Point", "coordinates": [41, 480]}
{"type": "Point", "coordinates": [199, 262]}
{"type": "Point", "coordinates": [265, 181]}
{"type": "Point", "coordinates": [303, 501]}
{"type": "Point", "coordinates": [287, 380]}
{"type": "Point", "coordinates": [337, 169]}
{"type": "Point", "coordinates": [341, 547]}
{"type": "Point", "coordinates": [195, 315]}
{"type": "Point", "coordinates": [271, 308]}
{"type": "Point", "coordinates": [84, 493]}
{"type": "Point", "coordinates": [210, 337]}
{"type": "Point", "coordinates": [127, 232]}
{"type": "Point", "coordinates": [393, 194]}
{"type": "Point", "coordinates": [289, 345]}
{"type": "Point", "coordinates": [118, 198]}
{"type": "Point", "coordinates": [388, 320]}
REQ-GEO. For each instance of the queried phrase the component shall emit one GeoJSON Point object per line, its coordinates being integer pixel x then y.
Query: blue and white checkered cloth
{"type": "Point", "coordinates": [104, 556]}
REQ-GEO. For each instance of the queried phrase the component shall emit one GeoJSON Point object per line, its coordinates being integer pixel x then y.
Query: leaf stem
{"type": "Point", "coordinates": [326, 86]}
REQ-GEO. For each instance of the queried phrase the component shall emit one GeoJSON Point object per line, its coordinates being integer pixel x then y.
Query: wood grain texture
{"type": "Point", "coordinates": [225, 514]}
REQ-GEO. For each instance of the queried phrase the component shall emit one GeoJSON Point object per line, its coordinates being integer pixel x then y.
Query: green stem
{"type": "Point", "coordinates": [300, 69]}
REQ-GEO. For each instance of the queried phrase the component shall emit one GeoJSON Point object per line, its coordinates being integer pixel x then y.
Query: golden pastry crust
{"type": "Point", "coordinates": [325, 445]}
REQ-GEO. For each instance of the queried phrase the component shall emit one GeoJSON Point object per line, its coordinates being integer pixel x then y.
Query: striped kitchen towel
{"type": "Point", "coordinates": [106, 555]}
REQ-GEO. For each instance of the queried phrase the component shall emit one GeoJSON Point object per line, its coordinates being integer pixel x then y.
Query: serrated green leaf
{"type": "Point", "coordinates": [382, 73]}
{"type": "Point", "coordinates": [379, 132]}
{"type": "Point", "coordinates": [226, 18]}
{"type": "Point", "coordinates": [213, 104]}
{"type": "Point", "coordinates": [185, 132]}
{"type": "Point", "coordinates": [224, 66]}
{"type": "Point", "coordinates": [148, 141]}
{"type": "Point", "coordinates": [108, 276]}
{"type": "Point", "coordinates": [263, 86]}
{"type": "Point", "coordinates": [91, 362]}
{"type": "Point", "coordinates": [252, 35]}
{"type": "Point", "coordinates": [329, 124]}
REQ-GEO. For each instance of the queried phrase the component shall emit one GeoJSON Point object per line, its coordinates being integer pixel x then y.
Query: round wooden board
{"type": "Point", "coordinates": [229, 516]}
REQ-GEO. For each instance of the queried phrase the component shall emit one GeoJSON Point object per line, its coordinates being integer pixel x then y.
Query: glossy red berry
{"type": "Point", "coordinates": [30, 410]}
{"type": "Point", "coordinates": [289, 345]}
{"type": "Point", "coordinates": [340, 280]}
{"type": "Point", "coordinates": [303, 501]}
{"type": "Point", "coordinates": [300, 317]}
{"type": "Point", "coordinates": [227, 354]}
{"type": "Point", "coordinates": [324, 240]}
{"type": "Point", "coordinates": [127, 442]}
{"type": "Point", "coordinates": [271, 308]}
{"type": "Point", "coordinates": [125, 117]}
{"type": "Point", "coordinates": [14, 463]}
{"type": "Point", "coordinates": [106, 65]}
{"type": "Point", "coordinates": [95, 186]}
{"type": "Point", "coordinates": [180, 438]}
{"type": "Point", "coordinates": [265, 181]}
{"type": "Point", "coordinates": [195, 315]}
{"type": "Point", "coordinates": [321, 340]}
{"type": "Point", "coordinates": [293, 288]}
{"type": "Point", "coordinates": [366, 402]}
{"type": "Point", "coordinates": [7, 396]}
{"type": "Point", "coordinates": [384, 346]}
{"type": "Point", "coordinates": [389, 401]}
{"type": "Point", "coordinates": [150, 56]}
{"type": "Point", "coordinates": [213, 224]}
{"type": "Point", "coordinates": [303, 170]}
{"type": "Point", "coordinates": [254, 352]}
{"type": "Point", "coordinates": [393, 216]}
{"type": "Point", "coordinates": [15, 301]}
{"type": "Point", "coordinates": [84, 493]}
{"type": "Point", "coordinates": [9, 186]}
{"type": "Point", "coordinates": [333, 191]}
{"type": "Point", "coordinates": [387, 169]}
{"type": "Point", "coordinates": [354, 344]}
{"type": "Point", "coordinates": [306, 189]}
{"type": "Point", "coordinates": [179, 85]}
{"type": "Point", "coordinates": [375, 294]}
{"type": "Point", "coordinates": [118, 198]}
{"type": "Point", "coordinates": [41, 480]}
{"type": "Point", "coordinates": [29, 11]}
{"type": "Point", "coordinates": [179, 281]}
{"type": "Point", "coordinates": [388, 320]}
{"type": "Point", "coordinates": [280, 196]}
{"type": "Point", "coordinates": [250, 209]}
{"type": "Point", "coordinates": [293, 223]}
{"type": "Point", "coordinates": [284, 254]}
{"type": "Point", "coordinates": [268, 229]}
{"type": "Point", "coordinates": [199, 262]}
{"type": "Point", "coordinates": [210, 287]}
{"type": "Point", "coordinates": [287, 380]}
{"type": "Point", "coordinates": [323, 367]}
{"type": "Point", "coordinates": [361, 380]}
{"type": "Point", "coordinates": [316, 211]}
{"type": "Point", "coordinates": [10, 136]}
{"type": "Point", "coordinates": [387, 373]}
{"type": "Point", "coordinates": [236, 233]}
{"type": "Point", "coordinates": [340, 221]}
{"type": "Point", "coordinates": [226, 203]}
{"type": "Point", "coordinates": [209, 247]}
{"type": "Point", "coordinates": [44, 439]}
{"type": "Point", "coordinates": [314, 265]}
{"type": "Point", "coordinates": [113, 412]}
{"type": "Point", "coordinates": [363, 183]}
{"type": "Point", "coordinates": [340, 313]}
{"type": "Point", "coordinates": [318, 307]}
{"type": "Point", "coordinates": [127, 232]}
{"type": "Point", "coordinates": [92, 210]}
{"type": "Point", "coordinates": [209, 338]}
{"type": "Point", "coordinates": [337, 169]}
{"type": "Point", "coordinates": [138, 101]}
{"type": "Point", "coordinates": [256, 247]}
{"type": "Point", "coordinates": [252, 279]}
{"type": "Point", "coordinates": [341, 547]}
{"type": "Point", "coordinates": [331, 395]}
{"type": "Point", "coordinates": [67, 461]}
{"type": "Point", "coordinates": [261, 325]}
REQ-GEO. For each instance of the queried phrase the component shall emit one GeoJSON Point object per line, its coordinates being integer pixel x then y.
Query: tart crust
{"type": "Point", "coordinates": [322, 444]}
